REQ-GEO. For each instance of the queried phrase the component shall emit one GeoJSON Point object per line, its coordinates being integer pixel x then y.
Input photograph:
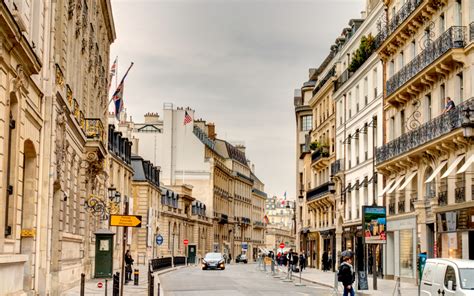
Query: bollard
{"type": "Point", "coordinates": [83, 281]}
{"type": "Point", "coordinates": [159, 289]}
{"type": "Point", "coordinates": [135, 277]}
{"type": "Point", "coordinates": [116, 284]}
{"type": "Point", "coordinates": [105, 287]}
{"type": "Point", "coordinates": [151, 285]}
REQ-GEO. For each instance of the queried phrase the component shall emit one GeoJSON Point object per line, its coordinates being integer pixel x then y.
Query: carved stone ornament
{"type": "Point", "coordinates": [61, 144]}
{"type": "Point", "coordinates": [20, 80]}
{"type": "Point", "coordinates": [94, 167]}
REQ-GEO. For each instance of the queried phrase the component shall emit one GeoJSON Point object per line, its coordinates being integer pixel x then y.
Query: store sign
{"type": "Point", "coordinates": [375, 224]}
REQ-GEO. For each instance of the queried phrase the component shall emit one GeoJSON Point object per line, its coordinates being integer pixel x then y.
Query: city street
{"type": "Point", "coordinates": [236, 279]}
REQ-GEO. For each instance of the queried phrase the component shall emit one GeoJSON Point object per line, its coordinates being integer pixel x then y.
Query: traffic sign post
{"type": "Point", "coordinates": [126, 220]}
{"type": "Point", "coordinates": [185, 242]}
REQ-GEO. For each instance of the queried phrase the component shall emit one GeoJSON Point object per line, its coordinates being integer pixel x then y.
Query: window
{"type": "Point", "coordinates": [442, 96]}
{"type": "Point", "coordinates": [450, 276]}
{"type": "Point", "coordinates": [458, 13]}
{"type": "Point", "coordinates": [401, 60]}
{"type": "Point", "coordinates": [366, 91]}
{"type": "Point", "coordinates": [402, 121]}
{"type": "Point", "coordinates": [306, 123]}
{"type": "Point", "coordinates": [391, 68]}
{"type": "Point", "coordinates": [429, 111]}
{"type": "Point", "coordinates": [460, 88]}
{"type": "Point", "coordinates": [392, 127]}
{"type": "Point", "coordinates": [357, 98]}
{"type": "Point", "coordinates": [303, 148]}
{"type": "Point", "coordinates": [413, 49]}
{"type": "Point", "coordinates": [441, 24]}
{"type": "Point", "coordinates": [375, 82]}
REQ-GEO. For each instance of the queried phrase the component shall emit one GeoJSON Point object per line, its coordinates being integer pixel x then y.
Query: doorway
{"type": "Point", "coordinates": [430, 239]}
{"type": "Point", "coordinates": [471, 245]}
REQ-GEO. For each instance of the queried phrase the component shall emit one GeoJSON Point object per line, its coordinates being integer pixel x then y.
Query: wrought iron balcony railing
{"type": "Point", "coordinates": [460, 194]}
{"type": "Point", "coordinates": [337, 167]}
{"type": "Point", "coordinates": [318, 154]}
{"type": "Point", "coordinates": [319, 191]}
{"type": "Point", "coordinates": [471, 31]}
{"type": "Point", "coordinates": [433, 129]}
{"type": "Point", "coordinates": [401, 206]}
{"type": "Point", "coordinates": [454, 37]}
{"type": "Point", "coordinates": [443, 198]}
{"type": "Point", "coordinates": [258, 224]}
{"type": "Point", "coordinates": [402, 14]}
{"type": "Point", "coordinates": [94, 129]}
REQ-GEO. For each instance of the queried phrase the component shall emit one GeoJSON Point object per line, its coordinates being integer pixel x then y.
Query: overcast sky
{"type": "Point", "coordinates": [236, 62]}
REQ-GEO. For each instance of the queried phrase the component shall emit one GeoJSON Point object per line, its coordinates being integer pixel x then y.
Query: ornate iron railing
{"type": "Point", "coordinates": [460, 194]}
{"type": "Point", "coordinates": [454, 37]}
{"type": "Point", "coordinates": [94, 129]}
{"type": "Point", "coordinates": [471, 31]}
{"type": "Point", "coordinates": [402, 14]}
{"type": "Point", "coordinates": [318, 154]}
{"type": "Point", "coordinates": [401, 206]}
{"type": "Point", "coordinates": [443, 198]}
{"type": "Point", "coordinates": [322, 82]}
{"type": "Point", "coordinates": [427, 132]}
{"type": "Point", "coordinates": [337, 166]}
{"type": "Point", "coordinates": [258, 224]}
{"type": "Point", "coordinates": [318, 191]}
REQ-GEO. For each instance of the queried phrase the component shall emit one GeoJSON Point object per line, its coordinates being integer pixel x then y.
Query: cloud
{"type": "Point", "coordinates": [235, 62]}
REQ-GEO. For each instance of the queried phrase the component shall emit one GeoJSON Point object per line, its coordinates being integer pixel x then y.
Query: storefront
{"type": "Point", "coordinates": [352, 239]}
{"type": "Point", "coordinates": [328, 246]}
{"type": "Point", "coordinates": [401, 248]}
{"type": "Point", "coordinates": [313, 248]}
{"type": "Point", "coordinates": [455, 234]}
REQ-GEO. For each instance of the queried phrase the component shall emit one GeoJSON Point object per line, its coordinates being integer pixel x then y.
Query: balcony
{"type": "Point", "coordinates": [94, 129]}
{"type": "Point", "coordinates": [401, 206]}
{"type": "Point", "coordinates": [454, 37]}
{"type": "Point", "coordinates": [427, 132]}
{"type": "Point", "coordinates": [337, 167]}
{"type": "Point", "coordinates": [319, 191]}
{"type": "Point", "coordinates": [245, 221]}
{"type": "Point", "coordinates": [318, 155]}
{"type": "Point", "coordinates": [258, 224]}
{"type": "Point", "coordinates": [224, 219]}
{"type": "Point", "coordinates": [443, 198]}
{"type": "Point", "coordinates": [402, 14]}
{"type": "Point", "coordinates": [460, 194]}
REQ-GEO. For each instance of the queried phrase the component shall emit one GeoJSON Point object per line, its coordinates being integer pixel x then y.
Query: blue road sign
{"type": "Point", "coordinates": [159, 240]}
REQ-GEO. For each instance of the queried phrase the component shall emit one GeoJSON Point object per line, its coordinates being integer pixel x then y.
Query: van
{"type": "Point", "coordinates": [448, 277]}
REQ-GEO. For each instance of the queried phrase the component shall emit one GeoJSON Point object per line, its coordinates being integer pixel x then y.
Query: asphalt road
{"type": "Point", "coordinates": [235, 280]}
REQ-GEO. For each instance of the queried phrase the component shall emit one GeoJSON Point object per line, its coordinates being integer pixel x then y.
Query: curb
{"type": "Point", "coordinates": [165, 271]}
{"type": "Point", "coordinates": [312, 281]}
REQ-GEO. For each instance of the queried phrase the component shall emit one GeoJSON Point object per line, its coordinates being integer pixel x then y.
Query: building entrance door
{"type": "Point", "coordinates": [104, 253]}
{"type": "Point", "coordinates": [192, 254]}
{"type": "Point", "coordinates": [471, 245]}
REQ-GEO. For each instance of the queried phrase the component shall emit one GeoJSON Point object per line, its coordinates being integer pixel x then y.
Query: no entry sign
{"type": "Point", "coordinates": [186, 242]}
{"type": "Point", "coordinates": [99, 285]}
{"type": "Point", "coordinates": [282, 245]}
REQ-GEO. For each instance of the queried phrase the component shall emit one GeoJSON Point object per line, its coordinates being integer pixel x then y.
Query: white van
{"type": "Point", "coordinates": [448, 277]}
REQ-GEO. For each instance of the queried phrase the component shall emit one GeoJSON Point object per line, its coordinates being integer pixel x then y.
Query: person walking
{"type": "Point", "coordinates": [230, 258]}
{"type": "Point", "coordinates": [325, 261]}
{"type": "Point", "coordinates": [128, 266]}
{"type": "Point", "coordinates": [302, 261]}
{"type": "Point", "coordinates": [346, 275]}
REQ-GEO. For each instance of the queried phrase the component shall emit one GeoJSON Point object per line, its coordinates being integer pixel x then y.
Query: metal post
{"type": "Point", "coordinates": [116, 284]}
{"type": "Point", "coordinates": [374, 267]}
{"type": "Point", "coordinates": [83, 280]}
{"type": "Point", "coordinates": [105, 287]}
{"type": "Point", "coordinates": [136, 274]}
{"type": "Point", "coordinates": [124, 245]}
{"type": "Point", "coordinates": [151, 285]}
{"type": "Point", "coordinates": [159, 284]}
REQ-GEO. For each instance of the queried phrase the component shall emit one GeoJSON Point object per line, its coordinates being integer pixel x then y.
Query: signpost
{"type": "Point", "coordinates": [126, 220]}
{"type": "Point", "coordinates": [186, 242]}
{"type": "Point", "coordinates": [282, 245]}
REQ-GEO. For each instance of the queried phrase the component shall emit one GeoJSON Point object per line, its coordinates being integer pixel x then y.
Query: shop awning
{"type": "Point", "coordinates": [453, 166]}
{"type": "Point", "coordinates": [436, 171]}
{"type": "Point", "coordinates": [466, 165]}
{"type": "Point", "coordinates": [407, 181]}
{"type": "Point", "coordinates": [387, 187]}
{"type": "Point", "coordinates": [395, 186]}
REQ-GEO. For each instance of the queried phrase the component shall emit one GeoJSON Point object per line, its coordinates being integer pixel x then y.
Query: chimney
{"type": "Point", "coordinates": [151, 117]}
{"type": "Point", "coordinates": [211, 131]}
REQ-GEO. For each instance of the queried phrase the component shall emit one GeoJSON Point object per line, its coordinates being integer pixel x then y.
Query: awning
{"type": "Point", "coordinates": [395, 186]}
{"type": "Point", "coordinates": [436, 171]}
{"type": "Point", "coordinates": [453, 166]}
{"type": "Point", "coordinates": [407, 181]}
{"type": "Point", "coordinates": [466, 165]}
{"type": "Point", "coordinates": [387, 187]}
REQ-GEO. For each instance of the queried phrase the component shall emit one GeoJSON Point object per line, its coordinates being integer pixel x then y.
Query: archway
{"type": "Point", "coordinates": [28, 211]}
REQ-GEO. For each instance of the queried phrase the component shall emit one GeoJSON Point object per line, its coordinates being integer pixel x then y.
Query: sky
{"type": "Point", "coordinates": [235, 62]}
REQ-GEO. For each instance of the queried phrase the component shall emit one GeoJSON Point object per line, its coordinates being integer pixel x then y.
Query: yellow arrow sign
{"type": "Point", "coordinates": [126, 220]}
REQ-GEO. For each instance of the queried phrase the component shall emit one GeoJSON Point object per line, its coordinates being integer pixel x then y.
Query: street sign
{"type": "Point", "coordinates": [282, 245]}
{"type": "Point", "coordinates": [99, 285]}
{"type": "Point", "coordinates": [126, 220]}
{"type": "Point", "coordinates": [185, 242]}
{"type": "Point", "coordinates": [159, 240]}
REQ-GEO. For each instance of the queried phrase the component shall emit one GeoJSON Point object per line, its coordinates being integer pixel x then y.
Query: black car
{"type": "Point", "coordinates": [241, 258]}
{"type": "Point", "coordinates": [213, 261]}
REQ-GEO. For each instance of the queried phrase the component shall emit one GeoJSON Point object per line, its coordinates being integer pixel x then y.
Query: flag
{"type": "Point", "coordinates": [266, 220]}
{"type": "Point", "coordinates": [113, 71]}
{"type": "Point", "coordinates": [187, 118]}
{"type": "Point", "coordinates": [118, 95]}
{"type": "Point", "coordinates": [284, 195]}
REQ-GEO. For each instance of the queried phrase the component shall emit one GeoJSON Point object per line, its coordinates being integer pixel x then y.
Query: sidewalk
{"type": "Point", "coordinates": [129, 289]}
{"type": "Point", "coordinates": [327, 279]}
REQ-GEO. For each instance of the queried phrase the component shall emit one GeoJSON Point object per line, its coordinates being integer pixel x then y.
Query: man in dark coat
{"type": "Point", "coordinates": [346, 275]}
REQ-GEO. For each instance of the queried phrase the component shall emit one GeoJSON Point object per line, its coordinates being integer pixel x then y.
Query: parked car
{"type": "Point", "coordinates": [241, 258]}
{"type": "Point", "coordinates": [213, 261]}
{"type": "Point", "coordinates": [448, 277]}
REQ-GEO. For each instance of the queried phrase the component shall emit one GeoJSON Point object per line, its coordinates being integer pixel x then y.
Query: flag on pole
{"type": "Point", "coordinates": [187, 118]}
{"type": "Point", "coordinates": [118, 95]}
{"type": "Point", "coordinates": [113, 71]}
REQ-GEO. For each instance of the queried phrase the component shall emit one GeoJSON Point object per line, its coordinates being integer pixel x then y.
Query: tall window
{"type": "Point", "coordinates": [429, 107]}
{"type": "Point", "coordinates": [375, 82]}
{"type": "Point", "coordinates": [458, 13]}
{"type": "Point", "coordinates": [357, 98]}
{"type": "Point", "coordinates": [442, 95]}
{"type": "Point", "coordinates": [402, 121]}
{"type": "Point", "coordinates": [413, 49]}
{"type": "Point", "coordinates": [391, 68]}
{"type": "Point", "coordinates": [441, 24]}
{"type": "Point", "coordinates": [366, 142]}
{"type": "Point", "coordinates": [306, 123]}
{"type": "Point", "coordinates": [392, 127]}
{"type": "Point", "coordinates": [366, 91]}
{"type": "Point", "coordinates": [460, 87]}
{"type": "Point", "coordinates": [401, 60]}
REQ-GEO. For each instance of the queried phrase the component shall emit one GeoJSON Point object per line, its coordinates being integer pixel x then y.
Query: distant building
{"type": "Point", "coordinates": [280, 212]}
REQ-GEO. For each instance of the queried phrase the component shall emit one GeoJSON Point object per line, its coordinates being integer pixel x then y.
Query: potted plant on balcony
{"type": "Point", "coordinates": [319, 146]}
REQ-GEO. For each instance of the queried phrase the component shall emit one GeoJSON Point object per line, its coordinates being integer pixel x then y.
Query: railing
{"type": "Point", "coordinates": [402, 14]}
{"type": "Point", "coordinates": [318, 191]}
{"type": "Point", "coordinates": [318, 154]}
{"type": "Point", "coordinates": [258, 224]}
{"type": "Point", "coordinates": [259, 192]}
{"type": "Point", "coordinates": [454, 37]}
{"type": "Point", "coordinates": [94, 129]}
{"type": "Point", "coordinates": [245, 220]}
{"type": "Point", "coordinates": [471, 31]}
{"type": "Point", "coordinates": [160, 263]}
{"type": "Point", "coordinates": [428, 131]}
{"type": "Point", "coordinates": [179, 260]}
{"type": "Point", "coordinates": [443, 198]}
{"type": "Point", "coordinates": [337, 166]}
{"type": "Point", "coordinates": [322, 82]}
{"type": "Point", "coordinates": [343, 78]}
{"type": "Point", "coordinates": [401, 206]}
{"type": "Point", "coordinates": [460, 194]}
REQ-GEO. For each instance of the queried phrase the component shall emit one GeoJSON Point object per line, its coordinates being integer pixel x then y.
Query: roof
{"type": "Point", "coordinates": [236, 154]}
{"type": "Point", "coordinates": [138, 171]}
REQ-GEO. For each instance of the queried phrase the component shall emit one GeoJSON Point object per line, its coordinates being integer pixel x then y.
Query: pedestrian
{"type": "Point", "coordinates": [449, 105]}
{"type": "Point", "coordinates": [230, 258]}
{"type": "Point", "coordinates": [346, 275]}
{"type": "Point", "coordinates": [330, 261]}
{"type": "Point", "coordinates": [325, 261]}
{"type": "Point", "coordinates": [302, 261]}
{"type": "Point", "coordinates": [290, 259]}
{"type": "Point", "coordinates": [128, 266]}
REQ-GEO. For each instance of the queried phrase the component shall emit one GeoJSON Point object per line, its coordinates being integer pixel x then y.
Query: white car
{"type": "Point", "coordinates": [448, 277]}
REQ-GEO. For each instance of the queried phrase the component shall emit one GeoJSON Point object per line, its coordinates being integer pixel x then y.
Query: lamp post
{"type": "Point", "coordinates": [172, 249]}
